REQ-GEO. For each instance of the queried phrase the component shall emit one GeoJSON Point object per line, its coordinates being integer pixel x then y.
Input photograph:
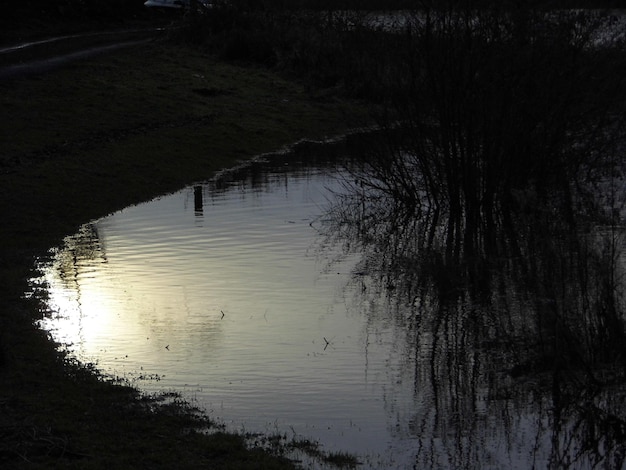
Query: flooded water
{"type": "Point", "coordinates": [232, 293]}
{"type": "Point", "coordinates": [220, 292]}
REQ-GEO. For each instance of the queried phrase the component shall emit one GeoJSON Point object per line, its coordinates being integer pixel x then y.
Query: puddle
{"type": "Point", "coordinates": [227, 293]}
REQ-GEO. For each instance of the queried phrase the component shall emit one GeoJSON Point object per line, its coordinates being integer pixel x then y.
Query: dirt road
{"type": "Point", "coordinates": [35, 57]}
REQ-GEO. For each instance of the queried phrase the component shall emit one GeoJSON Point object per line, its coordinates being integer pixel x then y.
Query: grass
{"type": "Point", "coordinates": [298, 447]}
{"type": "Point", "coordinates": [79, 143]}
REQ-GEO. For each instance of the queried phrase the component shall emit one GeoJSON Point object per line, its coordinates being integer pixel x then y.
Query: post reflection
{"type": "Point", "coordinates": [198, 204]}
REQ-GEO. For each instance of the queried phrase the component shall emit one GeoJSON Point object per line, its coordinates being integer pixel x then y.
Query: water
{"type": "Point", "coordinates": [221, 292]}
{"type": "Point", "coordinates": [233, 293]}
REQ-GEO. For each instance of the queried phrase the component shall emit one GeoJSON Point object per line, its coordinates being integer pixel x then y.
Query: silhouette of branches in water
{"type": "Point", "coordinates": [477, 207]}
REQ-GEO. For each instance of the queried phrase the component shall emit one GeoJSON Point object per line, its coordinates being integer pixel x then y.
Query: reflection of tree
{"type": "Point", "coordinates": [478, 216]}
{"type": "Point", "coordinates": [80, 249]}
{"type": "Point", "coordinates": [77, 258]}
{"type": "Point", "coordinates": [533, 330]}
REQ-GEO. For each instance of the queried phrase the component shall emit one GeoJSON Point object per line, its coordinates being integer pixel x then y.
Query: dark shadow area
{"type": "Point", "coordinates": [490, 212]}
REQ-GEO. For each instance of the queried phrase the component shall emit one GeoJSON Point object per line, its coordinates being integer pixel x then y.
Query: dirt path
{"type": "Point", "coordinates": [36, 57]}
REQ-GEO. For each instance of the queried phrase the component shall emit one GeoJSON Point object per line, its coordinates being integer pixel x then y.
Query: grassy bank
{"type": "Point", "coordinates": [83, 141]}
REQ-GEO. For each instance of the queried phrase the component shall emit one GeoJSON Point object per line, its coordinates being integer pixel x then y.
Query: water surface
{"type": "Point", "coordinates": [234, 293]}
{"type": "Point", "coordinates": [223, 292]}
